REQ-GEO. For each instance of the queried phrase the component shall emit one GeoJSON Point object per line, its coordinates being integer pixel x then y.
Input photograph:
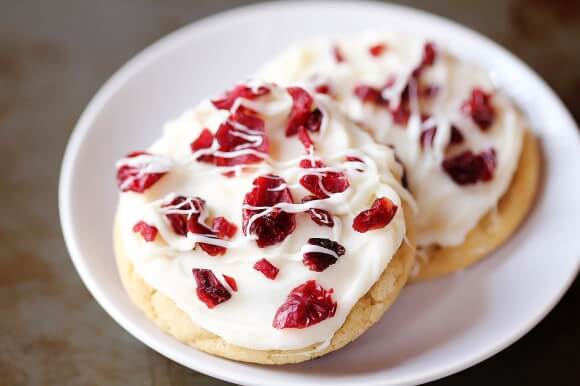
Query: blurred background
{"type": "Point", "coordinates": [54, 55]}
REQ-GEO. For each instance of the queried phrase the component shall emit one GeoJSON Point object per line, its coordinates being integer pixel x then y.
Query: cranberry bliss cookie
{"type": "Point", "coordinates": [264, 227]}
{"type": "Point", "coordinates": [470, 163]}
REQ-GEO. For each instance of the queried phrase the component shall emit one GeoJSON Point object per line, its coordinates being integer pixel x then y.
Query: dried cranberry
{"type": "Point", "coordinates": [243, 130]}
{"type": "Point", "coordinates": [323, 89]}
{"type": "Point", "coordinates": [429, 56]}
{"type": "Point", "coordinates": [303, 113]}
{"type": "Point", "coordinates": [268, 269]}
{"type": "Point", "coordinates": [209, 289]}
{"type": "Point", "coordinates": [180, 210]}
{"type": "Point", "coordinates": [196, 227]}
{"type": "Point", "coordinates": [377, 49]}
{"type": "Point", "coordinates": [240, 91]}
{"type": "Point", "coordinates": [402, 112]}
{"type": "Point", "coordinates": [306, 305]}
{"type": "Point", "coordinates": [184, 214]}
{"type": "Point", "coordinates": [319, 216]}
{"type": "Point", "coordinates": [223, 228]}
{"type": "Point", "coordinates": [276, 225]}
{"type": "Point", "coordinates": [429, 91]}
{"type": "Point", "coordinates": [134, 177]}
{"type": "Point", "coordinates": [322, 183]}
{"type": "Point", "coordinates": [456, 136]}
{"type": "Point", "coordinates": [204, 141]}
{"type": "Point", "coordinates": [468, 168]}
{"type": "Point", "coordinates": [231, 282]}
{"type": "Point", "coordinates": [148, 232]}
{"type": "Point", "coordinates": [352, 158]}
{"type": "Point", "coordinates": [370, 94]}
{"type": "Point", "coordinates": [378, 216]}
{"type": "Point", "coordinates": [314, 120]}
{"type": "Point", "coordinates": [428, 136]}
{"type": "Point", "coordinates": [319, 261]}
{"type": "Point", "coordinates": [337, 53]}
{"type": "Point", "coordinates": [304, 137]}
{"type": "Point", "coordinates": [479, 108]}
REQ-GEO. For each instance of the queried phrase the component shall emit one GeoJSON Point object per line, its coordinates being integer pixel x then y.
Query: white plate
{"type": "Point", "coordinates": [435, 328]}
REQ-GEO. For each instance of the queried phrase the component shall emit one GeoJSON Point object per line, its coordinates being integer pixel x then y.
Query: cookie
{"type": "Point", "coordinates": [251, 229]}
{"type": "Point", "coordinates": [367, 311]}
{"type": "Point", "coordinates": [457, 133]}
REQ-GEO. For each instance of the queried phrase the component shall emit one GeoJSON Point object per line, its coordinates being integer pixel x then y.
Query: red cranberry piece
{"type": "Point", "coordinates": [303, 113]}
{"type": "Point", "coordinates": [209, 289]}
{"type": "Point", "coordinates": [370, 94]}
{"type": "Point", "coordinates": [183, 215]}
{"type": "Point", "coordinates": [319, 216]}
{"type": "Point", "coordinates": [243, 130]}
{"type": "Point", "coordinates": [135, 178]}
{"type": "Point", "coordinates": [429, 91]}
{"type": "Point", "coordinates": [402, 112]}
{"type": "Point", "coordinates": [337, 53]}
{"type": "Point", "coordinates": [148, 232]}
{"type": "Point", "coordinates": [240, 91]}
{"type": "Point", "coordinates": [212, 250]}
{"type": "Point", "coordinates": [377, 49]}
{"type": "Point", "coordinates": [306, 305]}
{"type": "Point", "coordinates": [378, 216]}
{"type": "Point", "coordinates": [323, 89]}
{"type": "Point", "coordinates": [231, 282]}
{"type": "Point", "coordinates": [304, 137]}
{"type": "Point", "coordinates": [268, 269]}
{"type": "Point", "coordinates": [274, 226]}
{"type": "Point", "coordinates": [193, 225]}
{"type": "Point", "coordinates": [180, 210]}
{"type": "Point", "coordinates": [479, 108]}
{"type": "Point", "coordinates": [428, 136]}
{"type": "Point", "coordinates": [223, 228]}
{"type": "Point", "coordinates": [352, 158]}
{"type": "Point", "coordinates": [468, 168]}
{"type": "Point", "coordinates": [204, 141]}
{"type": "Point", "coordinates": [319, 261]}
{"type": "Point", "coordinates": [314, 120]}
{"type": "Point", "coordinates": [329, 182]}
{"type": "Point", "coordinates": [456, 136]}
{"type": "Point", "coordinates": [429, 56]}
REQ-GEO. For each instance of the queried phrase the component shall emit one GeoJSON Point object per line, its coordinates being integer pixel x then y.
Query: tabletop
{"type": "Point", "coordinates": [54, 55]}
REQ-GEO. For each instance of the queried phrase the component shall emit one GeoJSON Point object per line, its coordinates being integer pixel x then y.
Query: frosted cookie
{"type": "Point", "coordinates": [264, 226]}
{"type": "Point", "coordinates": [464, 145]}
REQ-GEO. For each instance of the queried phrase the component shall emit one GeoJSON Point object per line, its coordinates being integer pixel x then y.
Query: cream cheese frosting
{"type": "Point", "coordinates": [246, 319]}
{"type": "Point", "coordinates": [446, 211]}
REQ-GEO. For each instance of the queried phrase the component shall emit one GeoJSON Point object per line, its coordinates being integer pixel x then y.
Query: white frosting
{"type": "Point", "coordinates": [246, 318]}
{"type": "Point", "coordinates": [446, 211]}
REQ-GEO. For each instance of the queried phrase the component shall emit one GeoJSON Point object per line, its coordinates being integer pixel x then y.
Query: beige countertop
{"type": "Point", "coordinates": [54, 55]}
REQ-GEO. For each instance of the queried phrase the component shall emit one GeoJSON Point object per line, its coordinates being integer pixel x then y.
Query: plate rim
{"type": "Point", "coordinates": [166, 43]}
